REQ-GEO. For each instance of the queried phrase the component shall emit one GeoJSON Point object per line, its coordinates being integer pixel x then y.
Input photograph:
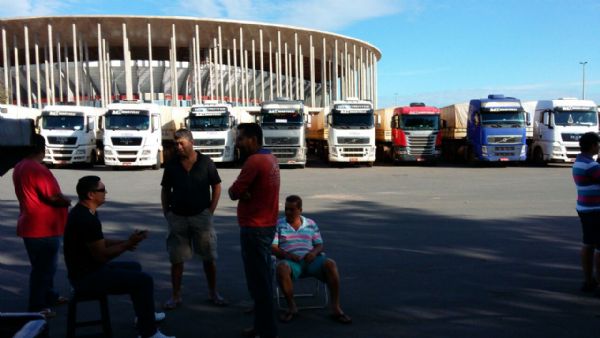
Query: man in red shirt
{"type": "Point", "coordinates": [257, 191]}
{"type": "Point", "coordinates": [42, 217]}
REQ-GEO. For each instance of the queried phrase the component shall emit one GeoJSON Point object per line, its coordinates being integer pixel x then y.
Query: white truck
{"type": "Point", "coordinates": [132, 135]}
{"type": "Point", "coordinates": [284, 124]}
{"type": "Point", "coordinates": [11, 111]}
{"type": "Point", "coordinates": [558, 125]}
{"type": "Point", "coordinates": [213, 126]}
{"type": "Point", "coordinates": [72, 134]}
{"type": "Point", "coordinates": [346, 133]}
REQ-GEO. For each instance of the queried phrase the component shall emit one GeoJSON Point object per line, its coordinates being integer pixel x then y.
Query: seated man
{"type": "Point", "coordinates": [299, 247]}
{"type": "Point", "coordinates": [88, 258]}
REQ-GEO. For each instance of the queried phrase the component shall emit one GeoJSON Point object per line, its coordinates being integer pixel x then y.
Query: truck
{"type": "Point", "coordinates": [409, 133]}
{"type": "Point", "coordinates": [72, 134]}
{"type": "Point", "coordinates": [284, 124]}
{"type": "Point", "coordinates": [132, 135]}
{"type": "Point", "coordinates": [344, 133]}
{"type": "Point", "coordinates": [558, 125]}
{"type": "Point", "coordinates": [11, 111]}
{"type": "Point", "coordinates": [213, 126]}
{"type": "Point", "coordinates": [491, 129]}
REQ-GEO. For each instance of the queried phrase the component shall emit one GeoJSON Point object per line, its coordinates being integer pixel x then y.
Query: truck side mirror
{"type": "Point", "coordinates": [379, 120]}
{"type": "Point", "coordinates": [186, 121]}
{"type": "Point", "coordinates": [476, 119]}
{"type": "Point", "coordinates": [528, 118]}
{"type": "Point", "coordinates": [329, 119]}
{"type": "Point", "coordinates": [90, 122]}
{"type": "Point", "coordinates": [37, 122]}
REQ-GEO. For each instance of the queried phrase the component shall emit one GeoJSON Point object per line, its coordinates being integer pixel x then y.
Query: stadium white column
{"type": "Point", "coordinates": [296, 73]}
{"type": "Point", "coordinates": [334, 78]}
{"type": "Point", "coordinates": [287, 71]}
{"type": "Point", "coordinates": [301, 72]}
{"type": "Point", "coordinates": [242, 67]}
{"type": "Point", "coordinates": [215, 77]}
{"type": "Point", "coordinates": [375, 86]}
{"type": "Point", "coordinates": [278, 65]}
{"type": "Point", "coordinates": [51, 54]}
{"type": "Point", "coordinates": [324, 75]}
{"type": "Point", "coordinates": [27, 62]}
{"type": "Point", "coordinates": [5, 64]}
{"type": "Point", "coordinates": [101, 67]}
{"type": "Point", "coordinates": [312, 73]}
{"type": "Point", "coordinates": [127, 65]}
{"type": "Point", "coordinates": [262, 66]}
{"type": "Point", "coordinates": [60, 71]}
{"type": "Point", "coordinates": [194, 63]}
{"type": "Point", "coordinates": [271, 69]}
{"type": "Point", "coordinates": [210, 75]}
{"type": "Point", "coordinates": [229, 76]}
{"type": "Point", "coordinates": [17, 73]}
{"type": "Point", "coordinates": [199, 62]}
{"type": "Point", "coordinates": [346, 72]}
{"type": "Point", "coordinates": [37, 74]}
{"type": "Point", "coordinates": [81, 60]}
{"type": "Point", "coordinates": [75, 63]}
{"type": "Point", "coordinates": [246, 97]}
{"type": "Point", "coordinates": [221, 79]}
{"type": "Point", "coordinates": [150, 62]}
{"type": "Point", "coordinates": [253, 72]}
{"type": "Point", "coordinates": [174, 83]}
{"type": "Point", "coordinates": [235, 71]}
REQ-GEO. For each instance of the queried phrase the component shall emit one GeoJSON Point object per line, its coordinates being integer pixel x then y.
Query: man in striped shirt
{"type": "Point", "coordinates": [586, 174]}
{"type": "Point", "coordinates": [299, 247]}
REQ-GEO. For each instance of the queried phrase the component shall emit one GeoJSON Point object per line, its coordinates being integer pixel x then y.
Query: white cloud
{"type": "Point", "coordinates": [326, 15]}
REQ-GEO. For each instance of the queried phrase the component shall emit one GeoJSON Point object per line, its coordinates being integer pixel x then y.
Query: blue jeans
{"type": "Point", "coordinates": [256, 254]}
{"type": "Point", "coordinates": [117, 278]}
{"type": "Point", "coordinates": [43, 256]}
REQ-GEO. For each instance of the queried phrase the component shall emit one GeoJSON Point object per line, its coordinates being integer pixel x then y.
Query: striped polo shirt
{"type": "Point", "coordinates": [298, 242]}
{"type": "Point", "coordinates": [586, 174]}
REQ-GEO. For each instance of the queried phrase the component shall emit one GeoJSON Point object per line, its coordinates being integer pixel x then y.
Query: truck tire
{"type": "Point", "coordinates": [156, 165]}
{"type": "Point", "coordinates": [92, 161]}
{"type": "Point", "coordinates": [538, 156]}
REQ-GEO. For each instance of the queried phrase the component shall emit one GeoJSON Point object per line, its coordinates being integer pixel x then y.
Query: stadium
{"type": "Point", "coordinates": [179, 61]}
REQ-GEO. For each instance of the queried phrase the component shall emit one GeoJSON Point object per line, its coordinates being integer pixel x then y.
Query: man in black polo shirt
{"type": "Point", "coordinates": [191, 188]}
{"type": "Point", "coordinates": [88, 258]}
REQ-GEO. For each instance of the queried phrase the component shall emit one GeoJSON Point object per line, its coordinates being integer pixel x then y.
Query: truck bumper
{"type": "Point", "coordinates": [402, 154]}
{"type": "Point", "coordinates": [65, 155]}
{"type": "Point", "coordinates": [218, 154]}
{"type": "Point", "coordinates": [352, 154]}
{"type": "Point", "coordinates": [119, 157]}
{"type": "Point", "coordinates": [289, 155]}
{"type": "Point", "coordinates": [504, 153]}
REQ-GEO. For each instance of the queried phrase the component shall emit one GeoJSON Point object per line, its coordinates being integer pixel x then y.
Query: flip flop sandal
{"type": "Point", "coordinates": [341, 318]}
{"type": "Point", "coordinates": [218, 301]}
{"type": "Point", "coordinates": [172, 304]}
{"type": "Point", "coordinates": [287, 317]}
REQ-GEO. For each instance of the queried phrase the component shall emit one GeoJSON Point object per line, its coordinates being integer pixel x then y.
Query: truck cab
{"type": "Point", "coordinates": [132, 135]}
{"type": "Point", "coordinates": [284, 125]}
{"type": "Point", "coordinates": [72, 134]}
{"type": "Point", "coordinates": [558, 125]}
{"type": "Point", "coordinates": [416, 133]}
{"type": "Point", "coordinates": [351, 136]}
{"type": "Point", "coordinates": [496, 129]}
{"type": "Point", "coordinates": [213, 127]}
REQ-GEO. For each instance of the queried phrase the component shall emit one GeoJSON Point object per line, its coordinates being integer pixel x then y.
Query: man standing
{"type": "Point", "coordinates": [42, 216]}
{"type": "Point", "coordinates": [586, 174]}
{"type": "Point", "coordinates": [257, 192]}
{"type": "Point", "coordinates": [191, 188]}
{"type": "Point", "coordinates": [88, 258]}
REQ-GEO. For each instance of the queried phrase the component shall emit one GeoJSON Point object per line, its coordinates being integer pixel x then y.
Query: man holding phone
{"type": "Point", "coordinates": [88, 257]}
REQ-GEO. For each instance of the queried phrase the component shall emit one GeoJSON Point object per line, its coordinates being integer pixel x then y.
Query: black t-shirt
{"type": "Point", "coordinates": [82, 228]}
{"type": "Point", "coordinates": [190, 192]}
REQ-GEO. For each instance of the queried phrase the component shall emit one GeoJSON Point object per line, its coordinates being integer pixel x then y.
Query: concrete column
{"type": "Point", "coordinates": [246, 83]}
{"type": "Point", "coordinates": [60, 71]}
{"type": "Point", "coordinates": [312, 74]}
{"type": "Point", "coordinates": [150, 61]}
{"type": "Point", "coordinates": [287, 71]}
{"type": "Point", "coordinates": [262, 67]}
{"type": "Point", "coordinates": [210, 74]}
{"type": "Point", "coordinates": [216, 69]}
{"type": "Point", "coordinates": [17, 73]}
{"type": "Point", "coordinates": [301, 73]}
{"type": "Point", "coordinates": [5, 64]}
{"type": "Point", "coordinates": [375, 86]}
{"type": "Point", "coordinates": [37, 74]}
{"type": "Point", "coordinates": [81, 60]}
{"type": "Point", "coordinates": [334, 78]}
{"type": "Point", "coordinates": [229, 76]}
{"type": "Point", "coordinates": [221, 79]}
{"type": "Point", "coordinates": [174, 86]}
{"type": "Point", "coordinates": [278, 64]}
{"type": "Point", "coordinates": [127, 65]}
{"type": "Point", "coordinates": [52, 94]}
{"type": "Point", "coordinates": [253, 72]}
{"type": "Point", "coordinates": [235, 71]}
{"type": "Point", "coordinates": [324, 75]}
{"type": "Point", "coordinates": [76, 65]}
{"type": "Point", "coordinates": [296, 73]}
{"type": "Point", "coordinates": [199, 61]}
{"type": "Point", "coordinates": [27, 64]}
{"type": "Point", "coordinates": [101, 67]}
{"type": "Point", "coordinates": [271, 70]}
{"type": "Point", "coordinates": [242, 67]}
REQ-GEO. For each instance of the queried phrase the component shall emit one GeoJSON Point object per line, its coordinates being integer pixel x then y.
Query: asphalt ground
{"type": "Point", "coordinates": [433, 251]}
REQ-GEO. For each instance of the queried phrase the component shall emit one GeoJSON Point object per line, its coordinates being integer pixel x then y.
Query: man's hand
{"type": "Point", "coordinates": [309, 257]}
{"type": "Point", "coordinates": [245, 196]}
{"type": "Point", "coordinates": [135, 238]}
{"type": "Point", "coordinates": [293, 257]}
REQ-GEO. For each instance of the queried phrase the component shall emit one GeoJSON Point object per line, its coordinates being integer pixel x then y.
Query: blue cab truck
{"type": "Point", "coordinates": [491, 129]}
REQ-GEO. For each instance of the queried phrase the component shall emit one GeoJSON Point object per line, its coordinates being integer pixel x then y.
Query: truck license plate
{"type": "Point", "coordinates": [353, 159]}
{"type": "Point", "coordinates": [503, 159]}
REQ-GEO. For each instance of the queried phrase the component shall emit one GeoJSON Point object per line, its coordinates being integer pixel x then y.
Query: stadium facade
{"type": "Point", "coordinates": [179, 61]}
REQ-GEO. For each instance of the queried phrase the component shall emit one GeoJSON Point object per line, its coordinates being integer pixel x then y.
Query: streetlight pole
{"type": "Point", "coordinates": [583, 79]}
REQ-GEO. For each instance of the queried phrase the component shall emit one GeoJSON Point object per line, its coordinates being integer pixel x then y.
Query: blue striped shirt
{"type": "Point", "coordinates": [586, 174]}
{"type": "Point", "coordinates": [298, 242]}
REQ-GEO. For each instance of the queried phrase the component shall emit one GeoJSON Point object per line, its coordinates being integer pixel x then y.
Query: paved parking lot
{"type": "Point", "coordinates": [423, 252]}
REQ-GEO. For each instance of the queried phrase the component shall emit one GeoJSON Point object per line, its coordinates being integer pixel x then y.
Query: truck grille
{"type": "Point", "coordinates": [126, 141]}
{"type": "Point", "coordinates": [61, 140]}
{"type": "Point", "coordinates": [421, 145]}
{"type": "Point", "coordinates": [282, 140]}
{"type": "Point", "coordinates": [284, 153]}
{"type": "Point", "coordinates": [506, 151]}
{"type": "Point", "coordinates": [212, 152]}
{"type": "Point", "coordinates": [353, 152]}
{"type": "Point", "coordinates": [569, 137]}
{"type": "Point", "coordinates": [505, 139]}
{"type": "Point", "coordinates": [127, 153]}
{"type": "Point", "coordinates": [209, 142]}
{"type": "Point", "coordinates": [353, 140]}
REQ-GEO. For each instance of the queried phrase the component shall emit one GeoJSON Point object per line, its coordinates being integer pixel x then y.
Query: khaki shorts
{"type": "Point", "coordinates": [189, 234]}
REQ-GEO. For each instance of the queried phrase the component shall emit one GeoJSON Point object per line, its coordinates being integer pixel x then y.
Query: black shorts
{"type": "Point", "coordinates": [590, 224]}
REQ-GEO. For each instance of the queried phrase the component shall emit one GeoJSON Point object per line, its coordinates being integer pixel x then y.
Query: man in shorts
{"type": "Point", "coordinates": [191, 188]}
{"type": "Point", "coordinates": [586, 174]}
{"type": "Point", "coordinates": [299, 248]}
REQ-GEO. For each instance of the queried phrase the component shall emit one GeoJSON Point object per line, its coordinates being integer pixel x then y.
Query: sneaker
{"type": "Point", "coordinates": [589, 287]}
{"type": "Point", "coordinates": [159, 334]}
{"type": "Point", "coordinates": [158, 317]}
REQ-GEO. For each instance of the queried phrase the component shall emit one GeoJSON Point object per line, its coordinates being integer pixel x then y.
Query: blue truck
{"type": "Point", "coordinates": [491, 129]}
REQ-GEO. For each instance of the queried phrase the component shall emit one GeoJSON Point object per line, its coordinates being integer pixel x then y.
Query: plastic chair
{"type": "Point", "coordinates": [310, 292]}
{"type": "Point", "coordinates": [104, 320]}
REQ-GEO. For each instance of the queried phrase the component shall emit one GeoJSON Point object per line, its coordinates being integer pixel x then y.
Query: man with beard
{"type": "Point", "coordinates": [257, 191]}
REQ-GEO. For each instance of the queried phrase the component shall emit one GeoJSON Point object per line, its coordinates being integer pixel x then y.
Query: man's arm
{"type": "Point", "coordinates": [282, 254]}
{"type": "Point", "coordinates": [239, 188]}
{"type": "Point", "coordinates": [317, 249]}
{"type": "Point", "coordinates": [216, 194]}
{"type": "Point", "coordinates": [165, 195]}
{"type": "Point", "coordinates": [103, 252]}
{"type": "Point", "coordinates": [58, 201]}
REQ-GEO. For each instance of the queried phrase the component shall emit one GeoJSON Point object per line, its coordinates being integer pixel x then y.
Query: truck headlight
{"type": "Point", "coordinates": [556, 149]}
{"type": "Point", "coordinates": [80, 152]}
{"type": "Point", "coordinates": [146, 152]}
{"type": "Point", "coordinates": [332, 150]}
{"type": "Point", "coordinates": [523, 150]}
{"type": "Point", "coordinates": [108, 152]}
{"type": "Point", "coordinates": [484, 150]}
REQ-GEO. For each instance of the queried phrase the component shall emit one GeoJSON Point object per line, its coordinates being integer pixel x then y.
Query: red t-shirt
{"type": "Point", "coordinates": [260, 178]}
{"type": "Point", "coordinates": [34, 183]}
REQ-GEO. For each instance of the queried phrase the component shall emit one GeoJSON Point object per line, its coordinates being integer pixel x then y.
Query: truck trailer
{"type": "Point", "coordinates": [345, 133]}
{"type": "Point", "coordinates": [410, 133]}
{"type": "Point", "coordinates": [558, 125]}
{"type": "Point", "coordinates": [492, 129]}
{"type": "Point", "coordinates": [72, 134]}
{"type": "Point", "coordinates": [284, 124]}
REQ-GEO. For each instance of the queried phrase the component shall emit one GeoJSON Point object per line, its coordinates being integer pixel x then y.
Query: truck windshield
{"type": "Point", "coordinates": [420, 122]}
{"type": "Point", "coordinates": [511, 119]}
{"type": "Point", "coordinates": [576, 117]}
{"type": "Point", "coordinates": [219, 122]}
{"type": "Point", "coordinates": [127, 122]}
{"type": "Point", "coordinates": [355, 120]}
{"type": "Point", "coordinates": [62, 122]}
{"type": "Point", "coordinates": [276, 120]}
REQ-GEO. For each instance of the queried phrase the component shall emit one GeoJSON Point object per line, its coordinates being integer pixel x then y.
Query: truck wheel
{"type": "Point", "coordinates": [370, 164]}
{"type": "Point", "coordinates": [92, 161]}
{"type": "Point", "coordinates": [156, 166]}
{"type": "Point", "coordinates": [538, 156]}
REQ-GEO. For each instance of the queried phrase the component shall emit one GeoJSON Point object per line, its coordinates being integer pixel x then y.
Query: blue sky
{"type": "Point", "coordinates": [434, 51]}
